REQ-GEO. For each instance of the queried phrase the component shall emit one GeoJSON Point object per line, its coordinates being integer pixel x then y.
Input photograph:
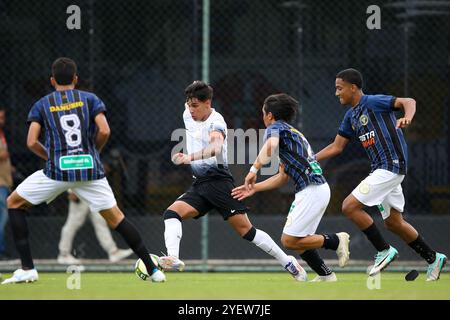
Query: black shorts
{"type": "Point", "coordinates": [213, 194]}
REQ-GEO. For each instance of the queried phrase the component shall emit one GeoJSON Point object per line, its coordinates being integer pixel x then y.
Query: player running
{"type": "Point", "coordinates": [371, 118]}
{"type": "Point", "coordinates": [75, 130]}
{"type": "Point", "coordinates": [206, 133]}
{"type": "Point", "coordinates": [312, 193]}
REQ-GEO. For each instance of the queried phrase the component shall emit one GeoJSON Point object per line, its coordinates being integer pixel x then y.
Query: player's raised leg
{"type": "Point", "coordinates": [99, 196]}
{"type": "Point", "coordinates": [353, 209]}
{"type": "Point", "coordinates": [262, 240]}
{"type": "Point", "coordinates": [118, 222]}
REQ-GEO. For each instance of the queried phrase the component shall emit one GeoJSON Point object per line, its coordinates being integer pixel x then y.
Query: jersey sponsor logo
{"type": "Point", "coordinates": [67, 106]}
{"type": "Point", "coordinates": [364, 120]}
{"type": "Point", "coordinates": [367, 139]}
{"type": "Point", "coordinates": [78, 162]}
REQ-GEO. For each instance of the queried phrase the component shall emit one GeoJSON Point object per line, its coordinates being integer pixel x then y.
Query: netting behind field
{"type": "Point", "coordinates": [138, 56]}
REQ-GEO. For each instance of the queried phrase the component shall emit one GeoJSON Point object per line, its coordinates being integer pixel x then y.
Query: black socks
{"type": "Point", "coordinates": [316, 263]}
{"type": "Point", "coordinates": [423, 249]}
{"type": "Point", "coordinates": [20, 234]}
{"type": "Point", "coordinates": [331, 241]}
{"type": "Point", "coordinates": [134, 241]}
{"type": "Point", "coordinates": [375, 237]}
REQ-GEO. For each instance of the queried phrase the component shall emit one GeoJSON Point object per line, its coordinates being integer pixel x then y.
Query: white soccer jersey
{"type": "Point", "coordinates": [197, 138]}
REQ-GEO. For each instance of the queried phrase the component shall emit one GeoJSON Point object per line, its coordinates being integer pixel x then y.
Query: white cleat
{"type": "Point", "coordinates": [329, 278]}
{"type": "Point", "coordinates": [120, 254]}
{"type": "Point", "coordinates": [158, 276]}
{"type": "Point", "coordinates": [296, 270]}
{"type": "Point", "coordinates": [67, 259]}
{"type": "Point", "coordinates": [21, 275]}
{"type": "Point", "coordinates": [343, 251]}
{"type": "Point", "coordinates": [169, 263]}
{"type": "Point", "coordinates": [434, 269]}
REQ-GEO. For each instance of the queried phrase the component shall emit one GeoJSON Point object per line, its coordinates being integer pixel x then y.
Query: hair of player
{"type": "Point", "coordinates": [63, 70]}
{"type": "Point", "coordinates": [282, 106]}
{"type": "Point", "coordinates": [199, 90]}
{"type": "Point", "coordinates": [351, 76]}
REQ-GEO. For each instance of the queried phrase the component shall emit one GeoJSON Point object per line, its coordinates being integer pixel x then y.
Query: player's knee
{"type": "Point", "coordinates": [170, 214]}
{"type": "Point", "coordinates": [250, 234]}
{"type": "Point", "coordinates": [287, 243]}
{"type": "Point", "coordinates": [393, 224]}
{"type": "Point", "coordinates": [291, 243]}
{"type": "Point", "coordinates": [348, 207]}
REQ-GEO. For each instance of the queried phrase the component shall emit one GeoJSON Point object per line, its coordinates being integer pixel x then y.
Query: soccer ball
{"type": "Point", "coordinates": [141, 270]}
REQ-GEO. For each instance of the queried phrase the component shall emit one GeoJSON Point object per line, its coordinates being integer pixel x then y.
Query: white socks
{"type": "Point", "coordinates": [172, 236]}
{"type": "Point", "coordinates": [266, 243]}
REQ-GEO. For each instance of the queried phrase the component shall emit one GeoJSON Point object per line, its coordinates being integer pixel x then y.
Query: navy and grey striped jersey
{"type": "Point", "coordinates": [296, 154]}
{"type": "Point", "coordinates": [373, 121]}
{"type": "Point", "coordinates": [68, 121]}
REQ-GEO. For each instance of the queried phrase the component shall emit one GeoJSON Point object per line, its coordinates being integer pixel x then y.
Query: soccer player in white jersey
{"type": "Point", "coordinates": [76, 130]}
{"type": "Point", "coordinates": [206, 133]}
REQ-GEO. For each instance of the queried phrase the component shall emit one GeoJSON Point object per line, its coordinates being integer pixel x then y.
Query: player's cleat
{"type": "Point", "coordinates": [329, 278]}
{"type": "Point", "coordinates": [435, 268]}
{"type": "Point", "coordinates": [21, 275]}
{"type": "Point", "coordinates": [343, 251]}
{"type": "Point", "coordinates": [296, 270]}
{"type": "Point", "coordinates": [168, 263]}
{"type": "Point", "coordinates": [120, 254]}
{"type": "Point", "coordinates": [383, 259]}
{"type": "Point", "coordinates": [158, 276]}
{"type": "Point", "coordinates": [67, 259]}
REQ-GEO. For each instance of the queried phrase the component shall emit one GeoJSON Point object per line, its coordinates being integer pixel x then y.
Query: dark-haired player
{"type": "Point", "coordinates": [75, 130]}
{"type": "Point", "coordinates": [372, 120]}
{"type": "Point", "coordinates": [312, 193]}
{"type": "Point", "coordinates": [206, 133]}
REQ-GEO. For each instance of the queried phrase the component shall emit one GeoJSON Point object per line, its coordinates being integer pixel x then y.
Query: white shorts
{"type": "Point", "coordinates": [39, 188]}
{"type": "Point", "coordinates": [381, 188]}
{"type": "Point", "coordinates": [307, 210]}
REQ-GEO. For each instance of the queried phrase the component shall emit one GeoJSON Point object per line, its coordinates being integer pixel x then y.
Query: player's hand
{"type": "Point", "coordinates": [240, 193]}
{"type": "Point", "coordinates": [403, 123]}
{"type": "Point", "coordinates": [181, 158]}
{"type": "Point", "coordinates": [250, 181]}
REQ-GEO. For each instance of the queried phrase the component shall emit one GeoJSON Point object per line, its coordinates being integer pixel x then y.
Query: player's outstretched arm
{"type": "Point", "coordinates": [33, 140]}
{"type": "Point", "coordinates": [103, 131]}
{"type": "Point", "coordinates": [273, 182]}
{"type": "Point", "coordinates": [333, 149]}
{"type": "Point", "coordinates": [264, 156]}
{"type": "Point", "coordinates": [409, 106]}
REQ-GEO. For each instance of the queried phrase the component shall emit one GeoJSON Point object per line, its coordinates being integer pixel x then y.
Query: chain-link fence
{"type": "Point", "coordinates": [138, 56]}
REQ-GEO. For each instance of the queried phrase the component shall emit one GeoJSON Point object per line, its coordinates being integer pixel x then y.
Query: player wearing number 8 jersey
{"type": "Point", "coordinates": [67, 117]}
{"type": "Point", "coordinates": [76, 130]}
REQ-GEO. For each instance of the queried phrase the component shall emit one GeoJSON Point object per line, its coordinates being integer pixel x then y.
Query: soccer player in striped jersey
{"type": "Point", "coordinates": [75, 130]}
{"type": "Point", "coordinates": [371, 119]}
{"type": "Point", "coordinates": [312, 193]}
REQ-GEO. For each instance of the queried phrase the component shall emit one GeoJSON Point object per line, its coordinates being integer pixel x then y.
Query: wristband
{"type": "Point", "coordinates": [254, 170]}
